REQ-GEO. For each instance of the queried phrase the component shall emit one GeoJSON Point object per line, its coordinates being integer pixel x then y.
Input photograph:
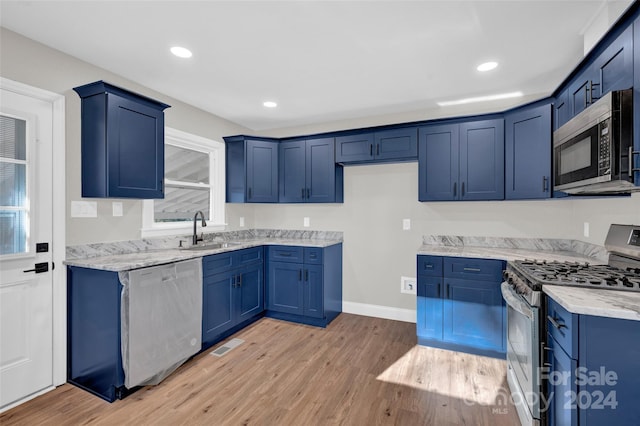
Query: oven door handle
{"type": "Point", "coordinates": [514, 300]}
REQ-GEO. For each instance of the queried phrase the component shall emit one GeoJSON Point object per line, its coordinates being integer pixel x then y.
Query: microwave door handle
{"type": "Point", "coordinates": [631, 168]}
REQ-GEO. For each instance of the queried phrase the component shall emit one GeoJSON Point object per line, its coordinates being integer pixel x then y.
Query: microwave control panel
{"type": "Point", "coordinates": [604, 148]}
{"type": "Point", "coordinates": [634, 238]}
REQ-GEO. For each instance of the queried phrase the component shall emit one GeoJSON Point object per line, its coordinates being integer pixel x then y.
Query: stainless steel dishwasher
{"type": "Point", "coordinates": [161, 320]}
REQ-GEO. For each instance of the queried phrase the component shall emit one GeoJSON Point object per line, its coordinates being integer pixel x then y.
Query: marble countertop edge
{"type": "Point", "coordinates": [601, 303]}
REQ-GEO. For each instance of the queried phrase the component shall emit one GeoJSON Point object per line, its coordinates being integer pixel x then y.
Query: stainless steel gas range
{"type": "Point", "coordinates": [522, 291]}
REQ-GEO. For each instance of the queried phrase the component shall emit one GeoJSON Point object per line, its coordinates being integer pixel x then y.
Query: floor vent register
{"type": "Point", "coordinates": [226, 347]}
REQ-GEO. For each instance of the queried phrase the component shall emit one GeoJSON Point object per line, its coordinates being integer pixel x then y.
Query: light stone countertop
{"type": "Point", "coordinates": [601, 303]}
{"type": "Point", "coordinates": [507, 254]}
{"type": "Point", "coordinates": [129, 255]}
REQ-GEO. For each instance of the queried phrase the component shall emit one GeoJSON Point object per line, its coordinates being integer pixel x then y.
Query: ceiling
{"type": "Point", "coordinates": [320, 61]}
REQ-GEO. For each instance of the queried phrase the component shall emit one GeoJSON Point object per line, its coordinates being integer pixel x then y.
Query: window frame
{"type": "Point", "coordinates": [216, 221]}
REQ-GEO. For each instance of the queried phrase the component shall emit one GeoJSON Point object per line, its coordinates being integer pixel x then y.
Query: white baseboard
{"type": "Point", "coordinates": [377, 311]}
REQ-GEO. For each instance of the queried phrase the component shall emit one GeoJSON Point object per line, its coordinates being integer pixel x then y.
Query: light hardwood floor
{"type": "Point", "coordinates": [357, 371]}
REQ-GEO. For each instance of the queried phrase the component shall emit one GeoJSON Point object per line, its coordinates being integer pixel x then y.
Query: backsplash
{"type": "Point", "coordinates": [84, 251]}
{"type": "Point", "coordinates": [546, 244]}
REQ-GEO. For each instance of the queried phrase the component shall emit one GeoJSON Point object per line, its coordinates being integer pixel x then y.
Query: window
{"type": "Point", "coordinates": [193, 181]}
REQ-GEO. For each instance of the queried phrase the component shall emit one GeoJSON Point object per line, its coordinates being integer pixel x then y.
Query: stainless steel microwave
{"type": "Point", "coordinates": [593, 152]}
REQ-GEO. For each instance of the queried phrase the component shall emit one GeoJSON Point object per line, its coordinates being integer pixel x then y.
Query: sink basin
{"type": "Point", "coordinates": [210, 246]}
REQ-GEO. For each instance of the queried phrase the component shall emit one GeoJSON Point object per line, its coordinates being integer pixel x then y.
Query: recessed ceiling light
{"type": "Point", "coordinates": [181, 52]}
{"type": "Point", "coordinates": [270, 104]}
{"type": "Point", "coordinates": [481, 99]}
{"type": "Point", "coordinates": [487, 66]}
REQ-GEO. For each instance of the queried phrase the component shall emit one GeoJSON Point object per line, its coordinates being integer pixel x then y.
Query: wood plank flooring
{"type": "Point", "coordinates": [357, 371]}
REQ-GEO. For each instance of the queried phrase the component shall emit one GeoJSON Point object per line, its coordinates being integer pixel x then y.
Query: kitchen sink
{"type": "Point", "coordinates": [211, 246]}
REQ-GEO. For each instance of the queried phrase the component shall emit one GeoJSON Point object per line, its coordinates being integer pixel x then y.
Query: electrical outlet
{"type": "Point", "coordinates": [408, 285]}
{"type": "Point", "coordinates": [406, 224]}
{"type": "Point", "coordinates": [305, 222]}
{"type": "Point", "coordinates": [117, 208]}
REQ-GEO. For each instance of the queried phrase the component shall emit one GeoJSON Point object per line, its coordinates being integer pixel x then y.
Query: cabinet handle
{"type": "Point", "coordinates": [249, 193]}
{"type": "Point", "coordinates": [302, 194]}
{"type": "Point", "coordinates": [631, 168]}
{"type": "Point", "coordinates": [285, 254]}
{"type": "Point", "coordinates": [300, 275]}
{"type": "Point", "coordinates": [306, 275]}
{"type": "Point", "coordinates": [591, 97]}
{"type": "Point", "coordinates": [377, 149]}
{"type": "Point", "coordinates": [428, 266]}
{"type": "Point", "coordinates": [586, 96]}
{"type": "Point", "coordinates": [371, 150]}
{"type": "Point", "coordinates": [438, 291]}
{"type": "Point", "coordinates": [472, 269]}
{"type": "Point", "coordinates": [545, 186]}
{"type": "Point", "coordinates": [239, 280]}
{"type": "Point", "coordinates": [462, 189]}
{"type": "Point", "coordinates": [455, 188]}
{"type": "Point", "coordinates": [555, 323]}
{"type": "Point", "coordinates": [308, 193]}
{"type": "Point", "coordinates": [447, 291]}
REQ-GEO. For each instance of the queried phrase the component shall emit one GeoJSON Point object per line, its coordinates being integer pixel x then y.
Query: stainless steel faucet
{"type": "Point", "coordinates": [195, 221]}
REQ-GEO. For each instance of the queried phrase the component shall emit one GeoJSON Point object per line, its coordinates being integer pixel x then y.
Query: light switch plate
{"type": "Point", "coordinates": [406, 224]}
{"type": "Point", "coordinates": [586, 229]}
{"type": "Point", "coordinates": [84, 209]}
{"type": "Point", "coordinates": [306, 222]}
{"type": "Point", "coordinates": [117, 208]}
{"type": "Point", "coordinates": [241, 221]}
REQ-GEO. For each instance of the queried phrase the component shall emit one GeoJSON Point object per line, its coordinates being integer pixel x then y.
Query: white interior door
{"type": "Point", "coordinates": [26, 295]}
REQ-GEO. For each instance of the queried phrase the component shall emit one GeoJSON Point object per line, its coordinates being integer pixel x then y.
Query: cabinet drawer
{"type": "Point", "coordinates": [286, 253]}
{"type": "Point", "coordinates": [473, 269]}
{"type": "Point", "coordinates": [245, 256]}
{"type": "Point", "coordinates": [563, 326]}
{"type": "Point", "coordinates": [216, 263]}
{"type": "Point", "coordinates": [430, 266]}
{"type": "Point", "coordinates": [313, 255]}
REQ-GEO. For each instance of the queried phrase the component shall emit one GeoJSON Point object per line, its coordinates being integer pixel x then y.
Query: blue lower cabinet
{"type": "Point", "coordinates": [94, 359]}
{"type": "Point", "coordinates": [474, 314]}
{"type": "Point", "coordinates": [460, 306]}
{"type": "Point", "coordinates": [429, 320]}
{"type": "Point", "coordinates": [304, 284]}
{"type": "Point", "coordinates": [593, 369]}
{"type": "Point", "coordinates": [232, 292]}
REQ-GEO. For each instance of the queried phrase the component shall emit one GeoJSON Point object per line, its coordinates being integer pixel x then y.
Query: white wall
{"type": "Point", "coordinates": [377, 197]}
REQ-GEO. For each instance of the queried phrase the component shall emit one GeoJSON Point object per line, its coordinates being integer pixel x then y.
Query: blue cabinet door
{"type": "Point", "coordinates": [562, 389]}
{"type": "Point", "coordinates": [579, 91]}
{"type": "Point", "coordinates": [438, 156]}
{"type": "Point", "coordinates": [313, 291]}
{"type": "Point", "coordinates": [562, 109]}
{"type": "Point", "coordinates": [217, 304]}
{"type": "Point", "coordinates": [482, 160]}
{"type": "Point", "coordinates": [249, 292]}
{"type": "Point", "coordinates": [262, 171]}
{"type": "Point", "coordinates": [429, 309]}
{"type": "Point", "coordinates": [473, 314]}
{"type": "Point", "coordinates": [528, 153]}
{"type": "Point", "coordinates": [613, 68]}
{"type": "Point", "coordinates": [285, 288]}
{"type": "Point", "coordinates": [320, 171]}
{"type": "Point", "coordinates": [354, 148]}
{"type": "Point", "coordinates": [396, 144]}
{"type": "Point", "coordinates": [292, 172]}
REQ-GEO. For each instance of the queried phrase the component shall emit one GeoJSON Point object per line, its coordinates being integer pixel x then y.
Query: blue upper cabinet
{"type": "Point", "coordinates": [561, 109]}
{"type": "Point", "coordinates": [528, 153]}
{"type": "Point", "coordinates": [308, 172]}
{"type": "Point", "coordinates": [611, 69]}
{"type": "Point", "coordinates": [354, 148]}
{"type": "Point", "coordinates": [382, 146]}
{"type": "Point", "coordinates": [462, 161]}
{"type": "Point", "coordinates": [438, 162]}
{"type": "Point", "coordinates": [251, 170]}
{"type": "Point", "coordinates": [122, 143]}
{"type": "Point", "coordinates": [482, 160]}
